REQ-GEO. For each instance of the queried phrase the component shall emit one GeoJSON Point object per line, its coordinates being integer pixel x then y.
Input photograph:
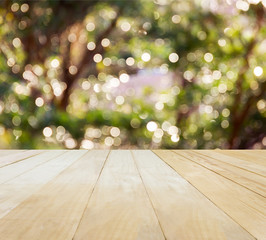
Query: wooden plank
{"type": "Point", "coordinates": [247, 155]}
{"type": "Point", "coordinates": [119, 207]}
{"type": "Point", "coordinates": [13, 158]}
{"type": "Point", "coordinates": [242, 205]}
{"type": "Point", "coordinates": [250, 180]}
{"type": "Point", "coordinates": [13, 170]}
{"type": "Point", "coordinates": [249, 166]}
{"type": "Point", "coordinates": [13, 192]}
{"type": "Point", "coordinates": [261, 153]}
{"type": "Point", "coordinates": [4, 152]}
{"type": "Point", "coordinates": [55, 210]}
{"type": "Point", "coordinates": [184, 213]}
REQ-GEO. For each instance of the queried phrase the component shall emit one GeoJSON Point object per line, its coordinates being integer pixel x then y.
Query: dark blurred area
{"type": "Point", "coordinates": [133, 74]}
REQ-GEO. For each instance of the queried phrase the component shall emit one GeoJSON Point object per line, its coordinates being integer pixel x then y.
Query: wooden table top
{"type": "Point", "coordinates": [138, 195]}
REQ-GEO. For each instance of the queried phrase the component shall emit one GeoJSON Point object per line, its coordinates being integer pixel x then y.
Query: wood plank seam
{"type": "Point", "coordinates": [244, 155]}
{"type": "Point", "coordinates": [119, 207]}
{"type": "Point", "coordinates": [39, 185]}
{"type": "Point", "coordinates": [86, 205]}
{"type": "Point", "coordinates": [219, 173]}
{"type": "Point", "coordinates": [36, 166]}
{"type": "Point", "coordinates": [148, 194]}
{"type": "Point", "coordinates": [207, 197]}
{"type": "Point", "coordinates": [21, 159]}
{"type": "Point", "coordinates": [33, 167]}
{"type": "Point", "coordinates": [5, 152]}
{"type": "Point", "coordinates": [55, 184]}
{"type": "Point", "coordinates": [231, 163]}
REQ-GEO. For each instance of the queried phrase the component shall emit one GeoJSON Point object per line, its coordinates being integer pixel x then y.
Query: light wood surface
{"type": "Point", "coordinates": [250, 180]}
{"type": "Point", "coordinates": [16, 190]}
{"type": "Point", "coordinates": [9, 152]}
{"type": "Point", "coordinates": [248, 155]}
{"type": "Point", "coordinates": [63, 199]}
{"type": "Point", "coordinates": [249, 166]}
{"type": "Point", "coordinates": [119, 207]}
{"type": "Point", "coordinates": [183, 211]}
{"type": "Point", "coordinates": [16, 157]}
{"type": "Point", "coordinates": [14, 170]}
{"type": "Point", "coordinates": [135, 195]}
{"type": "Point", "coordinates": [245, 207]}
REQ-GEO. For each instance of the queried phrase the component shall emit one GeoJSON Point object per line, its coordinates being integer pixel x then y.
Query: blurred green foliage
{"type": "Point", "coordinates": [132, 74]}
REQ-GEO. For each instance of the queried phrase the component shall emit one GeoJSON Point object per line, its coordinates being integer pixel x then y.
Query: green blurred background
{"type": "Point", "coordinates": [132, 74]}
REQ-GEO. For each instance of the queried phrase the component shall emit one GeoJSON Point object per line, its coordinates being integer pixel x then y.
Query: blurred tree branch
{"type": "Point", "coordinates": [238, 115]}
{"type": "Point", "coordinates": [84, 63]}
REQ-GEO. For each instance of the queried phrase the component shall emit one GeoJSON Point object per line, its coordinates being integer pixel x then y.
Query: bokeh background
{"type": "Point", "coordinates": [132, 74]}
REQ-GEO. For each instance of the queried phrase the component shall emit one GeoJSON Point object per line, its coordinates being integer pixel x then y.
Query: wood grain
{"type": "Point", "coordinates": [250, 180]}
{"type": "Point", "coordinates": [55, 210]}
{"type": "Point", "coordinates": [249, 166]}
{"type": "Point", "coordinates": [9, 152]}
{"type": "Point", "coordinates": [184, 212]}
{"type": "Point", "coordinates": [257, 157]}
{"type": "Point", "coordinates": [16, 157]}
{"type": "Point", "coordinates": [119, 207]}
{"type": "Point", "coordinates": [13, 170]}
{"type": "Point", "coordinates": [242, 205]}
{"type": "Point", "coordinates": [132, 195]}
{"type": "Point", "coordinates": [13, 192]}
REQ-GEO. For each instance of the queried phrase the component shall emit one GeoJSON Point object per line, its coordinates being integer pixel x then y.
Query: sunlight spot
{"type": "Point", "coordinates": [176, 19]}
{"type": "Point", "coordinates": [11, 62]}
{"type": "Point", "coordinates": [109, 141]}
{"type": "Point", "coordinates": [226, 112]}
{"type": "Point", "coordinates": [91, 46]}
{"type": "Point", "coordinates": [73, 70]}
{"type": "Point", "coordinates": [173, 57]}
{"type": "Point", "coordinates": [225, 124]}
{"type": "Point", "coordinates": [208, 57]}
{"type": "Point", "coordinates": [175, 138]}
{"type": "Point", "coordinates": [124, 78]}
{"type": "Point", "coordinates": [24, 7]}
{"type": "Point", "coordinates": [97, 58]}
{"type": "Point", "coordinates": [125, 26]}
{"type": "Point", "coordinates": [222, 88]}
{"type": "Point", "coordinates": [159, 106]}
{"type": "Point", "coordinates": [221, 42]}
{"type": "Point", "coordinates": [261, 105]}
{"type": "Point", "coordinates": [216, 75]}
{"type": "Point", "coordinates": [188, 75]}
{"type": "Point", "coordinates": [14, 7]}
{"type": "Point", "coordinates": [172, 130]}
{"type": "Point", "coordinates": [47, 132]}
{"type": "Point", "coordinates": [90, 26]}
{"type": "Point", "coordinates": [114, 82]}
{"type": "Point", "coordinates": [119, 100]}
{"type": "Point", "coordinates": [254, 1]}
{"type": "Point", "coordinates": [258, 71]}
{"type": "Point", "coordinates": [130, 61]}
{"type": "Point", "coordinates": [146, 57]}
{"type": "Point", "coordinates": [105, 42]}
{"type": "Point", "coordinates": [115, 132]}
{"type": "Point", "coordinates": [55, 63]}
{"type": "Point", "coordinates": [70, 143]}
{"type": "Point", "coordinates": [16, 120]}
{"type": "Point", "coordinates": [152, 126]}
{"type": "Point", "coordinates": [107, 62]}
{"type": "Point", "coordinates": [87, 144]}
{"type": "Point", "coordinates": [242, 5]}
{"type": "Point", "coordinates": [39, 102]}
{"type": "Point", "coordinates": [85, 85]}
{"type": "Point", "coordinates": [16, 42]}
{"type": "Point", "coordinates": [158, 133]}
